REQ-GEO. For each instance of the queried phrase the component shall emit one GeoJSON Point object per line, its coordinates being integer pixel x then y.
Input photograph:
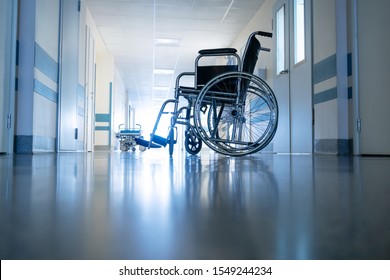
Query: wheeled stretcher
{"type": "Point", "coordinates": [128, 138]}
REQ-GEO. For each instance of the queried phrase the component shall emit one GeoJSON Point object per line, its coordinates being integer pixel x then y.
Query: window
{"type": "Point", "coordinates": [280, 41]}
{"type": "Point", "coordinates": [299, 31]}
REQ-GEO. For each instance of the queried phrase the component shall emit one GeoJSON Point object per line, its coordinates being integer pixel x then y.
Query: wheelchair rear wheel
{"type": "Point", "coordinates": [242, 115]}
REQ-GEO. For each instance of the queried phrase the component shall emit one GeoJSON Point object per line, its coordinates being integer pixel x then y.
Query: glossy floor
{"type": "Point", "coordinates": [149, 206]}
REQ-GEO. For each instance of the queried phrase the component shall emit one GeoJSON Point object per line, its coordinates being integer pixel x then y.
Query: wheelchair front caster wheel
{"type": "Point", "coordinates": [193, 143]}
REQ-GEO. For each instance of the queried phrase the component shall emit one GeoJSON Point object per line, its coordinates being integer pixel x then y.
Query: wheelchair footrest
{"type": "Point", "coordinates": [145, 143]}
{"type": "Point", "coordinates": [159, 140]}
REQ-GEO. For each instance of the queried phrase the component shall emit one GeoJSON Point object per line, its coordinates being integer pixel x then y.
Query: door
{"type": "Point", "coordinates": [293, 76]}
{"type": "Point", "coordinates": [281, 85]}
{"type": "Point", "coordinates": [90, 91]}
{"type": "Point", "coordinates": [8, 17]}
{"type": "Point", "coordinates": [371, 78]}
{"type": "Point", "coordinates": [69, 77]}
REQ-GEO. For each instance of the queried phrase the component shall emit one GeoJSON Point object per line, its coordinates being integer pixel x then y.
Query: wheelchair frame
{"type": "Point", "coordinates": [232, 111]}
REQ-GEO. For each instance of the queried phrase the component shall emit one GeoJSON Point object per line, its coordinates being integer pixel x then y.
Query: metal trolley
{"type": "Point", "coordinates": [128, 138]}
{"type": "Point", "coordinates": [232, 111]}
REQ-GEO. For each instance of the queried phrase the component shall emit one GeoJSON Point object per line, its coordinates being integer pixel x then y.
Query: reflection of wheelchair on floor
{"type": "Point", "coordinates": [231, 110]}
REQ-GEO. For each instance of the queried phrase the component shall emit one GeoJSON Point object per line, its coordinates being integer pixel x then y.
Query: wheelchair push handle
{"type": "Point", "coordinates": [263, 33]}
{"type": "Point", "coordinates": [265, 49]}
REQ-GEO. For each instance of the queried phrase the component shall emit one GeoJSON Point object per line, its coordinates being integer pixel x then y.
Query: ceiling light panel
{"type": "Point", "coordinates": [167, 42]}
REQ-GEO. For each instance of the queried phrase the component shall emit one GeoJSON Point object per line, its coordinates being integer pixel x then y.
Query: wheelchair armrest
{"type": "Point", "coordinates": [218, 51]}
{"type": "Point", "coordinates": [182, 75]}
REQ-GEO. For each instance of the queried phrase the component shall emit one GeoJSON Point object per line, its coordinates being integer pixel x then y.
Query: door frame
{"type": "Point", "coordinates": [9, 79]}
{"type": "Point", "coordinates": [90, 89]}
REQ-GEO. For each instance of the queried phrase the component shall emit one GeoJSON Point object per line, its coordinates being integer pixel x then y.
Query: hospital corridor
{"type": "Point", "coordinates": [194, 130]}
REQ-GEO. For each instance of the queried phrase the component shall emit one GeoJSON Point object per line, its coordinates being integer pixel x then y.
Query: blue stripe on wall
{"type": "Point", "coordinates": [349, 62]}
{"type": "Point", "coordinates": [325, 95]}
{"type": "Point", "coordinates": [43, 90]}
{"type": "Point", "coordinates": [325, 69]}
{"type": "Point", "coordinates": [45, 63]}
{"type": "Point", "coordinates": [102, 118]}
{"type": "Point", "coordinates": [102, 128]}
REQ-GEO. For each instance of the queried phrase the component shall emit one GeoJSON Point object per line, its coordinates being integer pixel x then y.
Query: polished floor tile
{"type": "Point", "coordinates": [148, 206]}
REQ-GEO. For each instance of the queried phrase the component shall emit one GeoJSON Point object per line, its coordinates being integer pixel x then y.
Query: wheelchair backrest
{"type": "Point", "coordinates": [251, 55]}
{"type": "Point", "coordinates": [249, 60]}
{"type": "Point", "coordinates": [206, 73]}
{"type": "Point", "coordinates": [247, 64]}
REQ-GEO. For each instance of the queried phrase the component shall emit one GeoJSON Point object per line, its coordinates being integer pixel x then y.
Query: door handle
{"type": "Point", "coordinates": [283, 72]}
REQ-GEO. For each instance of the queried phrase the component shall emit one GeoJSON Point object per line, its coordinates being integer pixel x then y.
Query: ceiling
{"type": "Point", "coordinates": [152, 41]}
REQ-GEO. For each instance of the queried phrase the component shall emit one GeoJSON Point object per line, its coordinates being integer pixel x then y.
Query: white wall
{"type": "Point", "coordinates": [114, 107]}
{"type": "Point", "coordinates": [120, 102]}
{"type": "Point", "coordinates": [103, 105]}
{"type": "Point", "coordinates": [332, 105]}
{"type": "Point", "coordinates": [324, 47]}
{"type": "Point", "coordinates": [324, 29]}
{"type": "Point", "coordinates": [262, 21]}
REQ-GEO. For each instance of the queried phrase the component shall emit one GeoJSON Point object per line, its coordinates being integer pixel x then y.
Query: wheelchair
{"type": "Point", "coordinates": [232, 111]}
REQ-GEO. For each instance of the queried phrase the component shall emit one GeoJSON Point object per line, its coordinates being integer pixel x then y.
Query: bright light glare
{"type": "Point", "coordinates": [299, 30]}
{"type": "Point", "coordinates": [163, 71]}
{"type": "Point", "coordinates": [280, 41]}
